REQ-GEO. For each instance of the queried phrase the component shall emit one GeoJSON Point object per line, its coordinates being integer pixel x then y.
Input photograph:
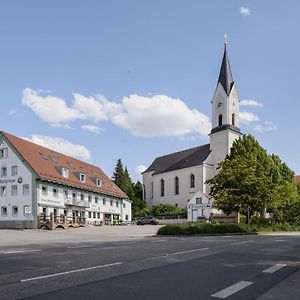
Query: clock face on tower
{"type": "Point", "coordinates": [220, 104]}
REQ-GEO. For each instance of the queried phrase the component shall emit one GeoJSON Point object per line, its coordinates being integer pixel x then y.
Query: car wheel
{"type": "Point", "coordinates": [152, 223]}
{"type": "Point", "coordinates": [138, 223]}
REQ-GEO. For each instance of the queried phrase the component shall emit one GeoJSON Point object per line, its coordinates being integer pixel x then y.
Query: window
{"type": "Point", "coordinates": [162, 187]}
{"type": "Point", "coordinates": [90, 198]}
{"type": "Point", "coordinates": [74, 196]}
{"type": "Point", "coordinates": [82, 197]}
{"type": "Point", "coordinates": [104, 201]}
{"type": "Point", "coordinates": [117, 203]}
{"type": "Point", "coordinates": [198, 200]}
{"type": "Point", "coordinates": [126, 217]}
{"type": "Point", "coordinates": [66, 193]}
{"type": "Point", "coordinates": [192, 180]}
{"type": "Point", "coordinates": [233, 119]}
{"type": "Point", "coordinates": [43, 156]}
{"type": "Point", "coordinates": [220, 120]}
{"type": "Point", "coordinates": [14, 190]}
{"type": "Point", "coordinates": [98, 215]}
{"type": "Point", "coordinates": [25, 189]}
{"type": "Point", "coordinates": [82, 177]}
{"type": "Point", "coordinates": [70, 165]}
{"type": "Point", "coordinates": [3, 191]}
{"type": "Point", "coordinates": [176, 185]}
{"type": "Point", "coordinates": [44, 191]}
{"type": "Point", "coordinates": [124, 205]}
{"type": "Point", "coordinates": [15, 211]}
{"type": "Point", "coordinates": [3, 153]}
{"type": "Point", "coordinates": [65, 172]}
{"type": "Point", "coordinates": [90, 214]}
{"type": "Point", "coordinates": [53, 158]}
{"type": "Point", "coordinates": [99, 182]}
{"type": "Point", "coordinates": [55, 193]}
{"type": "Point", "coordinates": [3, 172]}
{"type": "Point", "coordinates": [96, 200]}
{"type": "Point", "coordinates": [14, 171]}
{"type": "Point", "coordinates": [94, 215]}
{"type": "Point", "coordinates": [3, 211]}
{"type": "Point", "coordinates": [111, 203]}
{"type": "Point", "coordinates": [151, 190]}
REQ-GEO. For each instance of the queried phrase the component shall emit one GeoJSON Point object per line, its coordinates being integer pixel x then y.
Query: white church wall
{"type": "Point", "coordinates": [186, 192]}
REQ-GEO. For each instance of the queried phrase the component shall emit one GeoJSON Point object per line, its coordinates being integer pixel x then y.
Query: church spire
{"type": "Point", "coordinates": [225, 76]}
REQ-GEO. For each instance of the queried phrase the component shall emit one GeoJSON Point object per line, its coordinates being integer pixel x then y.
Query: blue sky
{"type": "Point", "coordinates": [103, 80]}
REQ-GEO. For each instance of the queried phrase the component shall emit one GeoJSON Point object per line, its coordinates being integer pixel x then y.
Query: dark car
{"type": "Point", "coordinates": [147, 220]}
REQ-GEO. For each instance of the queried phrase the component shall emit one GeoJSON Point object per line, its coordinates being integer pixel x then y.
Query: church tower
{"type": "Point", "coordinates": [225, 113]}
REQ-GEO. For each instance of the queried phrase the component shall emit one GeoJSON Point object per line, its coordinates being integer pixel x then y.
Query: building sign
{"type": "Point", "coordinates": [7, 180]}
{"type": "Point", "coordinates": [202, 206]}
{"type": "Point", "coordinates": [27, 210]}
{"type": "Point", "coordinates": [51, 202]}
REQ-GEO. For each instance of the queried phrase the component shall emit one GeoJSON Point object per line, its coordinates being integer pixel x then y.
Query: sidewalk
{"type": "Point", "coordinates": [286, 289]}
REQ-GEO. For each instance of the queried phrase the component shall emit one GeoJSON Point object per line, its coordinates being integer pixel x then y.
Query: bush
{"type": "Point", "coordinates": [201, 228]}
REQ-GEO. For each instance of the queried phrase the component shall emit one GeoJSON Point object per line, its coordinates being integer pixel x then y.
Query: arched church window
{"type": "Point", "coordinates": [162, 187]}
{"type": "Point", "coordinates": [233, 119]}
{"type": "Point", "coordinates": [192, 180]}
{"type": "Point", "coordinates": [220, 120]}
{"type": "Point", "coordinates": [176, 185]}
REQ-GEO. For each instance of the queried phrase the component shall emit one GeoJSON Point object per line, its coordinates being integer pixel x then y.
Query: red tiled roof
{"type": "Point", "coordinates": [297, 179]}
{"type": "Point", "coordinates": [49, 169]}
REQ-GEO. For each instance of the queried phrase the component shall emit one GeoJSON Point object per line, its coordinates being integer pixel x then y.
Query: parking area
{"type": "Point", "coordinates": [76, 235]}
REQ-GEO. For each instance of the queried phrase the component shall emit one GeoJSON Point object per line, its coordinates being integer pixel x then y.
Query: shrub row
{"type": "Point", "coordinates": [201, 228]}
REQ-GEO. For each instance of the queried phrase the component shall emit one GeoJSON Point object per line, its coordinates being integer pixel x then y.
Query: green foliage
{"type": "Point", "coordinates": [251, 181]}
{"type": "Point", "coordinates": [163, 210]}
{"type": "Point", "coordinates": [201, 228]}
{"type": "Point", "coordinates": [134, 191]}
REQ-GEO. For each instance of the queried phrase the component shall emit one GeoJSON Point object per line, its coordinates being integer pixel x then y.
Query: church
{"type": "Point", "coordinates": [179, 178]}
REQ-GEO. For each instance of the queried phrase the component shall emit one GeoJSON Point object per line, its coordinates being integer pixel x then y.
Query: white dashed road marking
{"type": "Point", "coordinates": [274, 268]}
{"type": "Point", "coordinates": [232, 289]}
{"type": "Point", "coordinates": [187, 251]}
{"type": "Point", "coordinates": [19, 251]}
{"type": "Point", "coordinates": [70, 272]}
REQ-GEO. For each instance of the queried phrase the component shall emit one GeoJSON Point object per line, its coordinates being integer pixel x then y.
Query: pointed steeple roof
{"type": "Point", "coordinates": [225, 77]}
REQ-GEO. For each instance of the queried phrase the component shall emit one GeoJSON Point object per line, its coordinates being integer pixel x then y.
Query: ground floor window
{"type": "Point", "coordinates": [15, 211]}
{"type": "Point", "coordinates": [3, 211]}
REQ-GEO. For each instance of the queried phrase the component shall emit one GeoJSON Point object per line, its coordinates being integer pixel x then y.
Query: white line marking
{"type": "Point", "coordinates": [70, 272]}
{"type": "Point", "coordinates": [187, 251]}
{"type": "Point", "coordinates": [274, 268]}
{"type": "Point", "coordinates": [244, 242]}
{"type": "Point", "coordinates": [279, 240]}
{"type": "Point", "coordinates": [75, 247]}
{"type": "Point", "coordinates": [20, 251]}
{"type": "Point", "coordinates": [232, 289]}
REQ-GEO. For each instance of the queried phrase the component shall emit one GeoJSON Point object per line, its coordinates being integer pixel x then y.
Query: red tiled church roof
{"type": "Point", "coordinates": [47, 165]}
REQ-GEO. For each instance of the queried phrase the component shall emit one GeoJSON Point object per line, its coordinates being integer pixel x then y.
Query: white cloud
{"type": "Point", "coordinates": [250, 103]}
{"type": "Point", "coordinates": [50, 109]}
{"type": "Point", "coordinates": [140, 169]}
{"type": "Point", "coordinates": [150, 116]}
{"type": "Point", "coordinates": [248, 117]}
{"type": "Point", "coordinates": [96, 108]}
{"type": "Point", "coordinates": [245, 11]}
{"type": "Point", "coordinates": [12, 112]}
{"type": "Point", "coordinates": [160, 115]}
{"type": "Point", "coordinates": [265, 127]}
{"type": "Point", "coordinates": [61, 145]}
{"type": "Point", "coordinates": [92, 128]}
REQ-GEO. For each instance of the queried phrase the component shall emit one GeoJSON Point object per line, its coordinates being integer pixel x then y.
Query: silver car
{"type": "Point", "coordinates": [147, 220]}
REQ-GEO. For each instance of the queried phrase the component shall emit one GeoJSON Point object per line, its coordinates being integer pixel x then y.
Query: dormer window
{"type": "Point", "coordinates": [98, 181]}
{"type": "Point", "coordinates": [82, 177]}
{"type": "Point", "coordinates": [43, 156]}
{"type": "Point", "coordinates": [65, 172]}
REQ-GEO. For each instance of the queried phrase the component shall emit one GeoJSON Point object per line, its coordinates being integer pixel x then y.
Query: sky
{"type": "Point", "coordinates": [102, 80]}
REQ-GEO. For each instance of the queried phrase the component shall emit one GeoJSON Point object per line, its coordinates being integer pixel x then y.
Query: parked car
{"type": "Point", "coordinates": [147, 220]}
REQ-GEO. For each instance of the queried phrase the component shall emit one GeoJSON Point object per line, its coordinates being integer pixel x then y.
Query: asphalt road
{"type": "Point", "coordinates": [212, 267]}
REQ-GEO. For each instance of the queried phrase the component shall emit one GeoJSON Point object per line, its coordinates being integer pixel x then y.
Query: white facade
{"type": "Point", "coordinates": [24, 196]}
{"type": "Point", "coordinates": [16, 190]}
{"type": "Point", "coordinates": [199, 207]}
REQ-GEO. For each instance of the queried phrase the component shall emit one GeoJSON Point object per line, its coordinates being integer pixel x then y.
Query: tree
{"type": "Point", "coordinates": [134, 191]}
{"type": "Point", "coordinates": [251, 181]}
